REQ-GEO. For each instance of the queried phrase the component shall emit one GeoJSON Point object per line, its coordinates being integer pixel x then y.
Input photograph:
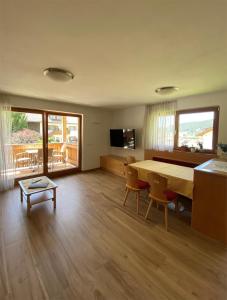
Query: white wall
{"type": "Point", "coordinates": [96, 124]}
{"type": "Point", "coordinates": [134, 118]}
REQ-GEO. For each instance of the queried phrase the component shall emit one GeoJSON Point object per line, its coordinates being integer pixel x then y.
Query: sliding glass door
{"type": "Point", "coordinates": [45, 143]}
{"type": "Point", "coordinates": [27, 142]}
{"type": "Point", "coordinates": [63, 142]}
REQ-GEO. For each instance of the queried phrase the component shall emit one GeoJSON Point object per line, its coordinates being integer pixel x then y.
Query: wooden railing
{"type": "Point", "coordinates": [71, 150]}
{"type": "Point", "coordinates": [20, 148]}
{"type": "Point", "coordinates": [72, 153]}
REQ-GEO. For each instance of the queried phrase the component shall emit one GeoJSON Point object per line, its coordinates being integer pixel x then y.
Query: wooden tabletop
{"type": "Point", "coordinates": [32, 151]}
{"type": "Point", "coordinates": [24, 184]}
{"type": "Point", "coordinates": [180, 178]}
{"type": "Point", "coordinates": [163, 168]}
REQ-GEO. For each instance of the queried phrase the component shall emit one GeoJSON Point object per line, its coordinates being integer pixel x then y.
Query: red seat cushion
{"type": "Point", "coordinates": [170, 195]}
{"type": "Point", "coordinates": [142, 184]}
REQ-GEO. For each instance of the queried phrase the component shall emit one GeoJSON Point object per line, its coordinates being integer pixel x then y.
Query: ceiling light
{"type": "Point", "coordinates": [58, 74]}
{"type": "Point", "coordinates": [166, 90]}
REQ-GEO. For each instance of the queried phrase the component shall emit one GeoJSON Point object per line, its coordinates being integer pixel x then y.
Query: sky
{"type": "Point", "coordinates": [196, 117]}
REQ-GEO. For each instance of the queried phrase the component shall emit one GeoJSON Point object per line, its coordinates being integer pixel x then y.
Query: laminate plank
{"type": "Point", "coordinates": [92, 247]}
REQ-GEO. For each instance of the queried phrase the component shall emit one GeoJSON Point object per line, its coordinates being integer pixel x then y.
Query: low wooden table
{"type": "Point", "coordinates": [44, 194]}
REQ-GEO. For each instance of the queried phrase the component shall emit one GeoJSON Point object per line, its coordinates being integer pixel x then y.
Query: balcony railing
{"type": "Point", "coordinates": [29, 157]}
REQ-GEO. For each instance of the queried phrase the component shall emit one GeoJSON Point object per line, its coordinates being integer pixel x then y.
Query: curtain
{"type": "Point", "coordinates": [6, 154]}
{"type": "Point", "coordinates": [160, 126]}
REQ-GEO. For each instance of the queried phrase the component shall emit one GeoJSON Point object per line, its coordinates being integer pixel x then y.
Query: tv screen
{"type": "Point", "coordinates": [123, 138]}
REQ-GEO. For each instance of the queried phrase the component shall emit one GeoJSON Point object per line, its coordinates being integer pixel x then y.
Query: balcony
{"type": "Point", "coordinates": [29, 158]}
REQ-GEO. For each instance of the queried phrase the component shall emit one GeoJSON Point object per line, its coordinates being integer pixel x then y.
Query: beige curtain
{"type": "Point", "coordinates": [6, 155]}
{"type": "Point", "coordinates": [160, 126]}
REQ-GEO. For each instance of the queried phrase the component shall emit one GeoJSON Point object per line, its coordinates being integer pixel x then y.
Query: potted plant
{"type": "Point", "coordinates": [223, 148]}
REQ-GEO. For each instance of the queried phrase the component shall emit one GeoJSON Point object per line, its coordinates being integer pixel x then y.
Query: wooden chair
{"type": "Point", "coordinates": [134, 184]}
{"type": "Point", "coordinates": [23, 159]}
{"type": "Point", "coordinates": [50, 159]}
{"type": "Point", "coordinates": [39, 158]}
{"type": "Point", "coordinates": [128, 160]}
{"type": "Point", "coordinates": [160, 194]}
{"type": "Point", "coordinates": [60, 156]}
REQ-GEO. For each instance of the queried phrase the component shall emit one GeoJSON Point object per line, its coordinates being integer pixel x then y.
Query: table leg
{"type": "Point", "coordinates": [28, 205]}
{"type": "Point", "coordinates": [21, 195]}
{"type": "Point", "coordinates": [54, 197]}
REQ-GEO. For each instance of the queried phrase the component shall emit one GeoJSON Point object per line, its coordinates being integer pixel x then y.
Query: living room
{"type": "Point", "coordinates": [113, 150]}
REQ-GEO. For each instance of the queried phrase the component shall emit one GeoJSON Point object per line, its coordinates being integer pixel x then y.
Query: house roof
{"type": "Point", "coordinates": [204, 131]}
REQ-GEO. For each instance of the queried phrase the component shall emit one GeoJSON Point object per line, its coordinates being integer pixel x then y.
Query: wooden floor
{"type": "Point", "coordinates": [93, 248]}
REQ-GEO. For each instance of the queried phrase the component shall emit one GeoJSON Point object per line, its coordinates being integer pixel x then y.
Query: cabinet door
{"type": "Point", "coordinates": [209, 207]}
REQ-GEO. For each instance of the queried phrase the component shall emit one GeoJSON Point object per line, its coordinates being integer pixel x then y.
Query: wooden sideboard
{"type": "Point", "coordinates": [114, 164]}
{"type": "Point", "coordinates": [209, 205]}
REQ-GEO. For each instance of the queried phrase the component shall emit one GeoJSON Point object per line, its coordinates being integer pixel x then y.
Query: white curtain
{"type": "Point", "coordinates": [160, 126]}
{"type": "Point", "coordinates": [6, 154]}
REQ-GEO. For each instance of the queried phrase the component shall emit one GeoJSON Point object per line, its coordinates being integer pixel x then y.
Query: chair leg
{"type": "Point", "coordinates": [126, 196]}
{"type": "Point", "coordinates": [148, 210]}
{"type": "Point", "coordinates": [148, 192]}
{"type": "Point", "coordinates": [166, 217]}
{"type": "Point", "coordinates": [177, 206]}
{"type": "Point", "coordinates": [137, 201]}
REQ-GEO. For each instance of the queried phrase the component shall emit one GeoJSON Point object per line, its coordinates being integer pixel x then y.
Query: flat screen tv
{"type": "Point", "coordinates": [123, 138]}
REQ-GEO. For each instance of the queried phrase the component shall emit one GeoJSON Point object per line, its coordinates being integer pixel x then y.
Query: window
{"type": "Point", "coordinates": [198, 129]}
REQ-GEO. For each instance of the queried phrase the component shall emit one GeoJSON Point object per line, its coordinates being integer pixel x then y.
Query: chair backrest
{"type": "Point", "coordinates": [158, 186]}
{"type": "Point", "coordinates": [40, 154]}
{"type": "Point", "coordinates": [131, 177]}
{"type": "Point", "coordinates": [130, 160]}
{"type": "Point", "coordinates": [63, 148]}
{"type": "Point", "coordinates": [50, 152]}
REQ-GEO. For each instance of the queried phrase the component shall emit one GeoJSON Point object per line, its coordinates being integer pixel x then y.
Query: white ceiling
{"type": "Point", "coordinates": [119, 50]}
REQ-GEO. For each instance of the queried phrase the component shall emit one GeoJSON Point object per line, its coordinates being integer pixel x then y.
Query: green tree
{"type": "Point", "coordinates": [19, 121]}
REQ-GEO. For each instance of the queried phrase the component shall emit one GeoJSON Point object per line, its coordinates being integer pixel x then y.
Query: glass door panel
{"type": "Point", "coordinates": [27, 143]}
{"type": "Point", "coordinates": [63, 142]}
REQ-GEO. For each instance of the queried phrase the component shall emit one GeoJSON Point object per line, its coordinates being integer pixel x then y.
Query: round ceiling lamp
{"type": "Point", "coordinates": [58, 74]}
{"type": "Point", "coordinates": [166, 90]}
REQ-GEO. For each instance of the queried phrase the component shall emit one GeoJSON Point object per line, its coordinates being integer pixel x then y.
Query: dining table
{"type": "Point", "coordinates": [180, 178]}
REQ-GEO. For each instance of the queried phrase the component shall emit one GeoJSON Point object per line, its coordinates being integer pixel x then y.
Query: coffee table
{"type": "Point", "coordinates": [37, 195]}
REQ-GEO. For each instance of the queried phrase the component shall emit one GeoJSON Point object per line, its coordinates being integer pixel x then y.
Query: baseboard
{"type": "Point", "coordinates": [90, 170]}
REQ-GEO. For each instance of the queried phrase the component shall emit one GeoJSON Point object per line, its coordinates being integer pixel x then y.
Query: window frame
{"type": "Point", "coordinates": [215, 109]}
